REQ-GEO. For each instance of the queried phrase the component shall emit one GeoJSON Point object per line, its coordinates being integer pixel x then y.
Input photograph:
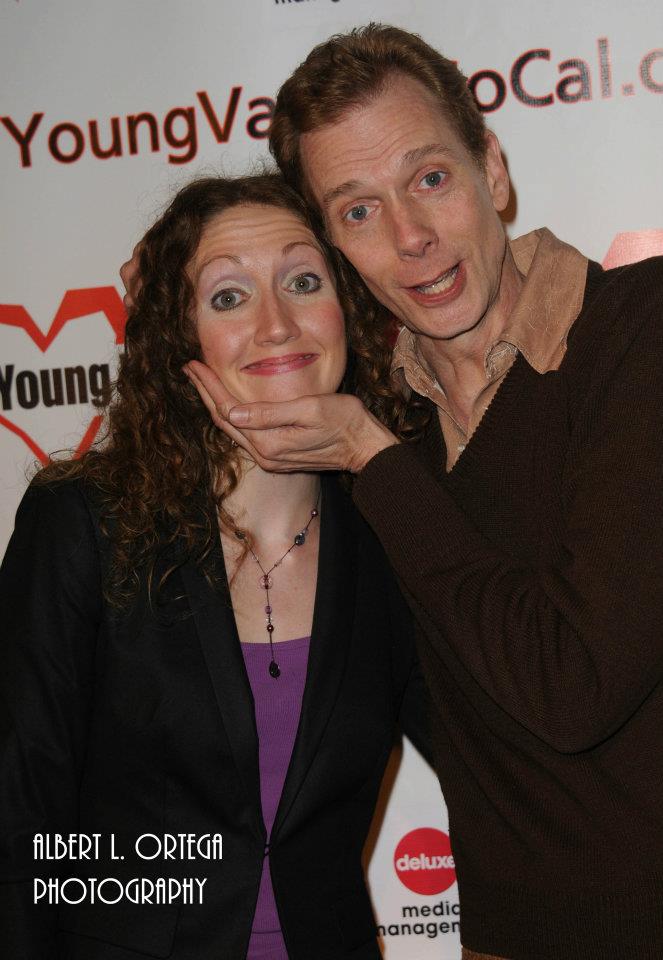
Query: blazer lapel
{"type": "Point", "coordinates": [217, 632]}
{"type": "Point", "coordinates": [331, 635]}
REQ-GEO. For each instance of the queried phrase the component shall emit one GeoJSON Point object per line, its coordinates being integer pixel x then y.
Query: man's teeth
{"type": "Point", "coordinates": [443, 283]}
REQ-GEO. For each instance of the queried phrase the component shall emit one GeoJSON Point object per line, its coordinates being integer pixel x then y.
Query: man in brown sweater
{"type": "Point", "coordinates": [525, 520]}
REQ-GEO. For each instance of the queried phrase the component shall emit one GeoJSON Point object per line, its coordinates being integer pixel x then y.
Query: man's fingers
{"type": "Point", "coordinates": [218, 420]}
{"type": "Point", "coordinates": [214, 408]}
{"type": "Point", "coordinates": [205, 396]}
{"type": "Point", "coordinates": [268, 416]}
{"type": "Point", "coordinates": [130, 276]}
{"type": "Point", "coordinates": [221, 398]}
{"type": "Point", "coordinates": [128, 272]}
{"type": "Point", "coordinates": [309, 433]}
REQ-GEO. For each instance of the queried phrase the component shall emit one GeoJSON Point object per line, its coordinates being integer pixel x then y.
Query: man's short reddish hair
{"type": "Point", "coordinates": [352, 68]}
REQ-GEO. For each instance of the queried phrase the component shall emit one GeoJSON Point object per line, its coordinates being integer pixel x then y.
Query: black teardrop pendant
{"type": "Point", "coordinates": [274, 669]}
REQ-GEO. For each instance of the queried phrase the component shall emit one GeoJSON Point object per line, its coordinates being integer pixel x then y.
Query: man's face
{"type": "Point", "coordinates": [412, 210]}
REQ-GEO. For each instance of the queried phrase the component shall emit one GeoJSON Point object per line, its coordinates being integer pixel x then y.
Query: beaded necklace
{"type": "Point", "coordinates": [265, 581]}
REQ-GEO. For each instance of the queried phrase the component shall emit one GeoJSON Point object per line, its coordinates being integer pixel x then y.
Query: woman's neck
{"type": "Point", "coordinates": [272, 507]}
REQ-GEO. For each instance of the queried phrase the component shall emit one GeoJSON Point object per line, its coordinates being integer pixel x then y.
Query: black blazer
{"type": "Point", "coordinates": [138, 723]}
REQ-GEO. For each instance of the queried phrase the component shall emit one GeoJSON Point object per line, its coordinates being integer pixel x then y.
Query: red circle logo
{"type": "Point", "coordinates": [424, 862]}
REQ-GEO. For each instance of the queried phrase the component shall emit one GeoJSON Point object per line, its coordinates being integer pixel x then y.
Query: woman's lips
{"type": "Point", "coordinates": [443, 288]}
{"type": "Point", "coordinates": [272, 366]}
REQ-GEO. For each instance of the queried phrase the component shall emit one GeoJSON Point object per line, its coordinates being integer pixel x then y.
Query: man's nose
{"type": "Point", "coordinates": [412, 232]}
{"type": "Point", "coordinates": [277, 322]}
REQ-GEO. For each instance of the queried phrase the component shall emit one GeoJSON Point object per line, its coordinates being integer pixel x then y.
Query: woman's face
{"type": "Point", "coordinates": [268, 319]}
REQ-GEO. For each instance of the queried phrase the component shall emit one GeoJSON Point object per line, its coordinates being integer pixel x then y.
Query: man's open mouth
{"type": "Point", "coordinates": [441, 283]}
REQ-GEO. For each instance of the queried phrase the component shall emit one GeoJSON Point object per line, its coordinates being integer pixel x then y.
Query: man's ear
{"type": "Point", "coordinates": [497, 177]}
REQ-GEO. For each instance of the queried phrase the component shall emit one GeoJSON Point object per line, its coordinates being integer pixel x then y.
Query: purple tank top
{"type": "Point", "coordinates": [278, 704]}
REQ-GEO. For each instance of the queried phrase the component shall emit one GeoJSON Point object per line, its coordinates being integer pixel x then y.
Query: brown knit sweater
{"type": "Point", "coordinates": [535, 570]}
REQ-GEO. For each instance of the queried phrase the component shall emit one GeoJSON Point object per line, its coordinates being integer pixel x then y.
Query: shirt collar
{"type": "Point", "coordinates": [549, 302]}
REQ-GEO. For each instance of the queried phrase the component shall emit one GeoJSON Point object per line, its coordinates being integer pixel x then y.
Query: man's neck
{"type": "Point", "coordinates": [459, 365]}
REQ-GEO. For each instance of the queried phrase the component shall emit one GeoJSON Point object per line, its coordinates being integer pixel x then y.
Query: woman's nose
{"type": "Point", "coordinates": [277, 323]}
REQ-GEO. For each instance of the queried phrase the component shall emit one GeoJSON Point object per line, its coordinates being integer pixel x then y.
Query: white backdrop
{"type": "Point", "coordinates": [105, 107]}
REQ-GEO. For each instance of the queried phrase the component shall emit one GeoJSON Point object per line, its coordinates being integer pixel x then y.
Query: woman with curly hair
{"type": "Point", "coordinates": [205, 661]}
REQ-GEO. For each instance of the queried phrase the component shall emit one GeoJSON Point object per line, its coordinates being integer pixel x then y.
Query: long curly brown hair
{"type": "Point", "coordinates": [162, 470]}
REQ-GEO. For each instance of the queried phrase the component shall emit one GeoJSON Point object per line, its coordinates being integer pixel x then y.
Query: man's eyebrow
{"type": "Point", "coordinates": [420, 153]}
{"type": "Point", "coordinates": [412, 156]}
{"type": "Point", "coordinates": [350, 186]}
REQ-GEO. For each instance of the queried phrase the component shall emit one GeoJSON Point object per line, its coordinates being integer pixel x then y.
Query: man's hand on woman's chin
{"type": "Point", "coordinates": [328, 432]}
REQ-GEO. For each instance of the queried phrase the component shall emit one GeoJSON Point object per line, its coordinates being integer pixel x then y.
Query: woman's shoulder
{"type": "Point", "coordinates": [55, 494]}
{"type": "Point", "coordinates": [59, 511]}
{"type": "Point", "coordinates": [54, 555]}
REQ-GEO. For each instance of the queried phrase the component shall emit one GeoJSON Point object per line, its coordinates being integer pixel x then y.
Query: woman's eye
{"type": "Point", "coordinates": [357, 214]}
{"type": "Point", "coordinates": [305, 283]}
{"type": "Point", "coordinates": [227, 299]}
{"type": "Point", "coordinates": [433, 179]}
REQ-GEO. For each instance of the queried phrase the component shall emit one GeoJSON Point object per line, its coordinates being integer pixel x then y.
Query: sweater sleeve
{"type": "Point", "coordinates": [569, 652]}
{"type": "Point", "coordinates": [50, 609]}
{"type": "Point", "coordinates": [414, 707]}
{"type": "Point", "coordinates": [414, 714]}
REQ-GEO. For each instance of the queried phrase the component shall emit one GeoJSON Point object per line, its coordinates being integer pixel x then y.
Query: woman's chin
{"type": "Point", "coordinates": [274, 396]}
{"type": "Point", "coordinates": [277, 390]}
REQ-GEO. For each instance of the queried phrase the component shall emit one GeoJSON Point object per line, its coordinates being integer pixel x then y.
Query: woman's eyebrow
{"type": "Point", "coordinates": [217, 256]}
{"type": "Point", "coordinates": [300, 243]}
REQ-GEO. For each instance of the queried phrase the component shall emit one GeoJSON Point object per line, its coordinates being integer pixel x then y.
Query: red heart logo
{"type": "Point", "coordinates": [74, 304]}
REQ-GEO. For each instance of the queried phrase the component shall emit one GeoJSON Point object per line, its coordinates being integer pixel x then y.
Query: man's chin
{"type": "Point", "coordinates": [445, 329]}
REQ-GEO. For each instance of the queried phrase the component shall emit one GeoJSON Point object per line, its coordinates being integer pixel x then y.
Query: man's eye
{"type": "Point", "coordinates": [226, 299]}
{"type": "Point", "coordinates": [357, 214]}
{"type": "Point", "coordinates": [433, 179]}
{"type": "Point", "coordinates": [305, 283]}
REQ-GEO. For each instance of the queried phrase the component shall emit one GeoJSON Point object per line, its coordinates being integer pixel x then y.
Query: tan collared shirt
{"type": "Point", "coordinates": [549, 302]}
{"type": "Point", "coordinates": [471, 955]}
